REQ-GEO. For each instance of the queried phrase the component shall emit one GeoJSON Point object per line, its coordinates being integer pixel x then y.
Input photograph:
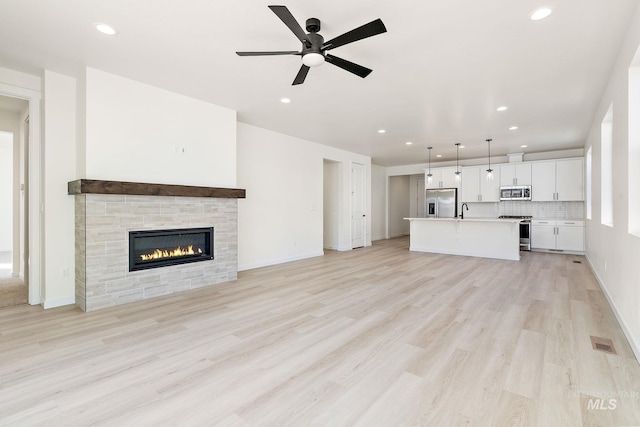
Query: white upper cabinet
{"type": "Point", "coordinates": [434, 182]}
{"type": "Point", "coordinates": [543, 181]}
{"type": "Point", "coordinates": [557, 180]}
{"type": "Point", "coordinates": [470, 184]}
{"type": "Point", "coordinates": [570, 179]}
{"type": "Point", "coordinates": [442, 178]}
{"type": "Point", "coordinates": [449, 178]}
{"type": "Point", "coordinates": [475, 186]}
{"type": "Point", "coordinates": [515, 174]}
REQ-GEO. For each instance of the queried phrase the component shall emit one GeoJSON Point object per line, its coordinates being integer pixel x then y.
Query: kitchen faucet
{"type": "Point", "coordinates": [464, 205]}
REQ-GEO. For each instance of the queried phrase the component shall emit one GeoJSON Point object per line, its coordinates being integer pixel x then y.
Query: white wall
{"type": "Point", "coordinates": [282, 217]}
{"type": "Point", "coordinates": [378, 202]}
{"type": "Point", "coordinates": [59, 168]}
{"type": "Point", "coordinates": [6, 191]}
{"type": "Point", "coordinates": [133, 133]}
{"type": "Point", "coordinates": [612, 252]}
{"type": "Point", "coordinates": [399, 205]}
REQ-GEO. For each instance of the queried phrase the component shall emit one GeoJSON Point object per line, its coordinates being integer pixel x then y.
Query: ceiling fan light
{"type": "Point", "coordinates": [313, 59]}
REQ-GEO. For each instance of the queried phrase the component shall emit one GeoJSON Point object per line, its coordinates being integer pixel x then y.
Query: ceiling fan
{"type": "Point", "coordinates": [314, 48]}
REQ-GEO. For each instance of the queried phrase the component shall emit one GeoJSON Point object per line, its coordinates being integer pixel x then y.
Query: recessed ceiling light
{"type": "Point", "coordinates": [408, 142]}
{"type": "Point", "coordinates": [513, 128]}
{"type": "Point", "coordinates": [438, 155]}
{"type": "Point", "coordinates": [523, 146]}
{"type": "Point", "coordinates": [106, 29]}
{"type": "Point", "coordinates": [285, 100]}
{"type": "Point", "coordinates": [541, 13]}
{"type": "Point", "coordinates": [503, 108]}
{"type": "Point", "coordinates": [462, 146]}
{"type": "Point", "coordinates": [382, 131]}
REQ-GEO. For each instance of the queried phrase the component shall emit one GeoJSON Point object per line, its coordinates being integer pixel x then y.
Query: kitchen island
{"type": "Point", "coordinates": [478, 237]}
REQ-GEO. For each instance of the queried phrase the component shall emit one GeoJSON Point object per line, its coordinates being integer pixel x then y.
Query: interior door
{"type": "Point", "coordinates": [358, 215]}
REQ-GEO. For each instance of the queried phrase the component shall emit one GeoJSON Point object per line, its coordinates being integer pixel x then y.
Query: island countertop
{"type": "Point", "coordinates": [470, 219]}
{"type": "Point", "coordinates": [479, 237]}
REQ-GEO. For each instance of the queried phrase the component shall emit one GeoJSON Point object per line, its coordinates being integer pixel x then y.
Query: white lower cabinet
{"type": "Point", "coordinates": [558, 235]}
{"type": "Point", "coordinates": [543, 234]}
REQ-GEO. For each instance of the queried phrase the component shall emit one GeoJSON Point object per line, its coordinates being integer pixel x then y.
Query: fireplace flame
{"type": "Point", "coordinates": [179, 251]}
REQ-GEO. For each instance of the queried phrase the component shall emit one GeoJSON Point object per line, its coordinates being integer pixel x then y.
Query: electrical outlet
{"type": "Point", "coordinates": [605, 266]}
{"type": "Point", "coordinates": [64, 273]}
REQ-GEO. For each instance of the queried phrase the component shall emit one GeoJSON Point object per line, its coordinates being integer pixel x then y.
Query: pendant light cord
{"type": "Point", "coordinates": [489, 145]}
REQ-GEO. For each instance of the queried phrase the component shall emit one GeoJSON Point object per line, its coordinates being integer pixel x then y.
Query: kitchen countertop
{"type": "Point", "coordinates": [467, 219]}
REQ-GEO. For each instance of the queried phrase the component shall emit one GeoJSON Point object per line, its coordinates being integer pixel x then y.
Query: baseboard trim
{"type": "Point", "coordinates": [279, 261]}
{"type": "Point", "coordinates": [393, 236]}
{"type": "Point", "coordinates": [635, 347]}
{"type": "Point", "coordinates": [59, 302]}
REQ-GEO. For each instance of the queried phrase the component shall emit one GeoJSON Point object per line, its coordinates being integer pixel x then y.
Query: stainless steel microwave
{"type": "Point", "coordinates": [518, 192]}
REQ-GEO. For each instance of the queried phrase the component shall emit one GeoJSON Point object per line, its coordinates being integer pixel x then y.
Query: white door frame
{"type": "Point", "coordinates": [36, 207]}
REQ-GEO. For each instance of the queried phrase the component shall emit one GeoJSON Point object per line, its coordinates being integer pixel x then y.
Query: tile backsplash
{"type": "Point", "coordinates": [550, 210]}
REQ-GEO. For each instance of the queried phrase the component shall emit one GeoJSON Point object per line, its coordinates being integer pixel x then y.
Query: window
{"type": "Point", "coordinates": [588, 181]}
{"type": "Point", "coordinates": [606, 169]}
{"type": "Point", "coordinates": [633, 174]}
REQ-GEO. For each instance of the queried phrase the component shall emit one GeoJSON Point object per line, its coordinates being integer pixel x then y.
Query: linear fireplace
{"type": "Point", "coordinates": [159, 248]}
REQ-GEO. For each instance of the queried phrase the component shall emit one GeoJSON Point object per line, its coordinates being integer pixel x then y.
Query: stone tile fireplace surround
{"type": "Point", "coordinates": [106, 211]}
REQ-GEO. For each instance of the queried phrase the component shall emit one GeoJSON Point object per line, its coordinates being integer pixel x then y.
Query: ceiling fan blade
{"type": "Point", "coordinates": [288, 19]}
{"type": "Point", "coordinates": [367, 30]}
{"type": "Point", "coordinates": [356, 69]}
{"type": "Point", "coordinates": [284, 52]}
{"type": "Point", "coordinates": [302, 74]}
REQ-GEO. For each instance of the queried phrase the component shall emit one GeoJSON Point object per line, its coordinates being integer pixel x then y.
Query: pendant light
{"type": "Point", "coordinates": [457, 172]}
{"type": "Point", "coordinates": [489, 171]}
{"type": "Point", "coordinates": [429, 175]}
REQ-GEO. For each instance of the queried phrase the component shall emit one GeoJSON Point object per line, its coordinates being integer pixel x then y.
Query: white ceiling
{"type": "Point", "coordinates": [439, 73]}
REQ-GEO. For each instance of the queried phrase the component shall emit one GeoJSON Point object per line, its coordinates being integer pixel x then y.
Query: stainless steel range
{"type": "Point", "coordinates": [525, 230]}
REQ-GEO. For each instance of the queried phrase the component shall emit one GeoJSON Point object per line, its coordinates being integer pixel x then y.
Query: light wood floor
{"type": "Point", "coordinates": [377, 336]}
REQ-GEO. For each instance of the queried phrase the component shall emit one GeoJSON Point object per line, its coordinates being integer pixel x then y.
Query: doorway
{"type": "Point", "coordinates": [14, 227]}
{"type": "Point", "coordinates": [6, 204]}
{"type": "Point", "coordinates": [399, 205]}
{"type": "Point", "coordinates": [331, 205]}
{"type": "Point", "coordinates": [358, 218]}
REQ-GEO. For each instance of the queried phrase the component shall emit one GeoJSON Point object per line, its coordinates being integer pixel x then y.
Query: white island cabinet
{"type": "Point", "coordinates": [478, 237]}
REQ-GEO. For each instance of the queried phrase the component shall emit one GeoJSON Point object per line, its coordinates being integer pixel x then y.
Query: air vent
{"type": "Point", "coordinates": [577, 262]}
{"type": "Point", "coordinates": [603, 344]}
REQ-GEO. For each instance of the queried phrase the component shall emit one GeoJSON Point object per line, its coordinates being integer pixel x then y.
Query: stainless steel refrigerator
{"type": "Point", "coordinates": [442, 203]}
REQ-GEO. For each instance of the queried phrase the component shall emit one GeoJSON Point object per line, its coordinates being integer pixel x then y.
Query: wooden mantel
{"type": "Point", "coordinates": [90, 186]}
